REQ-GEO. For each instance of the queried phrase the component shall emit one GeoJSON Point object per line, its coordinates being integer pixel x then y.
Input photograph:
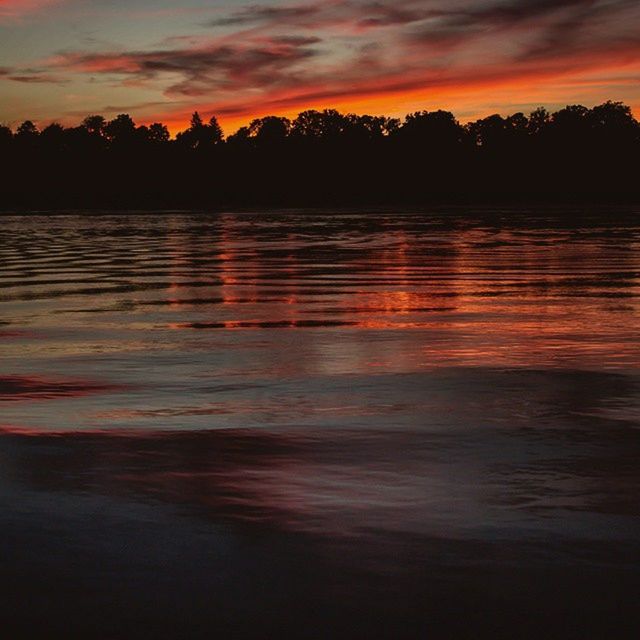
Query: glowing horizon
{"type": "Point", "coordinates": [61, 60]}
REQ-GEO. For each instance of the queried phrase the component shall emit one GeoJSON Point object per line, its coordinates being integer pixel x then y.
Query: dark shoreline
{"type": "Point", "coordinates": [567, 209]}
{"type": "Point", "coordinates": [327, 159]}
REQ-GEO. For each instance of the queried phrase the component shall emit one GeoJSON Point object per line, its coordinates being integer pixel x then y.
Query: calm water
{"type": "Point", "coordinates": [313, 425]}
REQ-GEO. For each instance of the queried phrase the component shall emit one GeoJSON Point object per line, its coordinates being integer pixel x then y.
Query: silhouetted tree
{"type": "Point", "coordinates": [325, 156]}
{"type": "Point", "coordinates": [95, 124]}
{"type": "Point", "coordinates": [54, 130]}
{"type": "Point", "coordinates": [200, 135]}
{"type": "Point", "coordinates": [614, 122]}
{"type": "Point", "coordinates": [570, 128]}
{"type": "Point", "coordinates": [158, 133]}
{"type": "Point", "coordinates": [538, 121]}
{"type": "Point", "coordinates": [319, 125]}
{"type": "Point", "coordinates": [52, 137]}
{"type": "Point", "coordinates": [489, 133]}
{"type": "Point", "coordinates": [121, 130]}
{"type": "Point", "coordinates": [215, 131]}
{"type": "Point", "coordinates": [517, 124]}
{"type": "Point", "coordinates": [437, 129]}
{"type": "Point", "coordinates": [361, 129]}
{"type": "Point", "coordinates": [268, 131]}
{"type": "Point", "coordinates": [27, 130]}
{"type": "Point", "coordinates": [240, 138]}
{"type": "Point", "coordinates": [6, 135]}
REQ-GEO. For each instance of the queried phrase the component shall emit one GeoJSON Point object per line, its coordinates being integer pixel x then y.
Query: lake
{"type": "Point", "coordinates": [319, 425]}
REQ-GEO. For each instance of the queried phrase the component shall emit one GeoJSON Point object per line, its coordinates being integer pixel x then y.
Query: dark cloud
{"type": "Point", "coordinates": [517, 11]}
{"type": "Point", "coordinates": [259, 63]}
{"type": "Point", "coordinates": [577, 32]}
{"type": "Point", "coordinates": [29, 76]}
{"type": "Point", "coordinates": [497, 16]}
{"type": "Point", "coordinates": [365, 14]}
{"type": "Point", "coordinates": [556, 27]}
{"type": "Point", "coordinates": [37, 79]}
{"type": "Point", "coordinates": [259, 14]}
{"type": "Point", "coordinates": [375, 47]}
{"type": "Point", "coordinates": [473, 76]}
{"type": "Point", "coordinates": [353, 13]}
{"type": "Point", "coordinates": [296, 41]}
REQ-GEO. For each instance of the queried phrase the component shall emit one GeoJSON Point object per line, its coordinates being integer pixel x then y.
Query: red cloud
{"type": "Point", "coordinates": [286, 56]}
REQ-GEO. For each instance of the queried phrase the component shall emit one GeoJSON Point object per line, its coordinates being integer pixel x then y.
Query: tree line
{"type": "Point", "coordinates": [324, 157]}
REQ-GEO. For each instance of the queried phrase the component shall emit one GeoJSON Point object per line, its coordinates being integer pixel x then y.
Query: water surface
{"type": "Point", "coordinates": [320, 424]}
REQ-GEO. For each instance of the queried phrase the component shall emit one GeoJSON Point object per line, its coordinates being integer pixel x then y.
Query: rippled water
{"type": "Point", "coordinates": [354, 424]}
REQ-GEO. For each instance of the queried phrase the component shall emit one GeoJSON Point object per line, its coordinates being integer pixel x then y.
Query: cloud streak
{"type": "Point", "coordinates": [260, 63]}
{"type": "Point", "coordinates": [283, 56]}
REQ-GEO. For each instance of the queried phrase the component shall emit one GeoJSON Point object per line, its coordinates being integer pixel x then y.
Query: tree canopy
{"type": "Point", "coordinates": [324, 157]}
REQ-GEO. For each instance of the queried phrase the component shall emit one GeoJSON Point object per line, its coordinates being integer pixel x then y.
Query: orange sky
{"type": "Point", "coordinates": [159, 61]}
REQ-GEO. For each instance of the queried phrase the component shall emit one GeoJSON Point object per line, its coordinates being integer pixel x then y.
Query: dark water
{"type": "Point", "coordinates": [319, 426]}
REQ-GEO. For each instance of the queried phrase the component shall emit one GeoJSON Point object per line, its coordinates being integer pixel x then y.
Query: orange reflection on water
{"type": "Point", "coordinates": [362, 291]}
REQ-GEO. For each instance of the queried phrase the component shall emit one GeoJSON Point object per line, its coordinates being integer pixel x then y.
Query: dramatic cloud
{"type": "Point", "coordinates": [367, 53]}
{"type": "Point", "coordinates": [257, 64]}
{"type": "Point", "coordinates": [331, 13]}
{"type": "Point", "coordinates": [295, 15]}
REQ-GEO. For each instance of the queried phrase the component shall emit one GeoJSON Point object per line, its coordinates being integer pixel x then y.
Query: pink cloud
{"type": "Point", "coordinates": [371, 53]}
{"type": "Point", "coordinates": [237, 73]}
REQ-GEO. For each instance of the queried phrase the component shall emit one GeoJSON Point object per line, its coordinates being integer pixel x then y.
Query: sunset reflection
{"type": "Point", "coordinates": [381, 417]}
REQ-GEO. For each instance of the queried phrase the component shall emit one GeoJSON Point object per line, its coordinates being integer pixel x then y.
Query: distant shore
{"type": "Point", "coordinates": [483, 209]}
{"type": "Point", "coordinates": [326, 159]}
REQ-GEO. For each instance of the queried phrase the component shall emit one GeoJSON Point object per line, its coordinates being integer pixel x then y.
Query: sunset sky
{"type": "Point", "coordinates": [160, 60]}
